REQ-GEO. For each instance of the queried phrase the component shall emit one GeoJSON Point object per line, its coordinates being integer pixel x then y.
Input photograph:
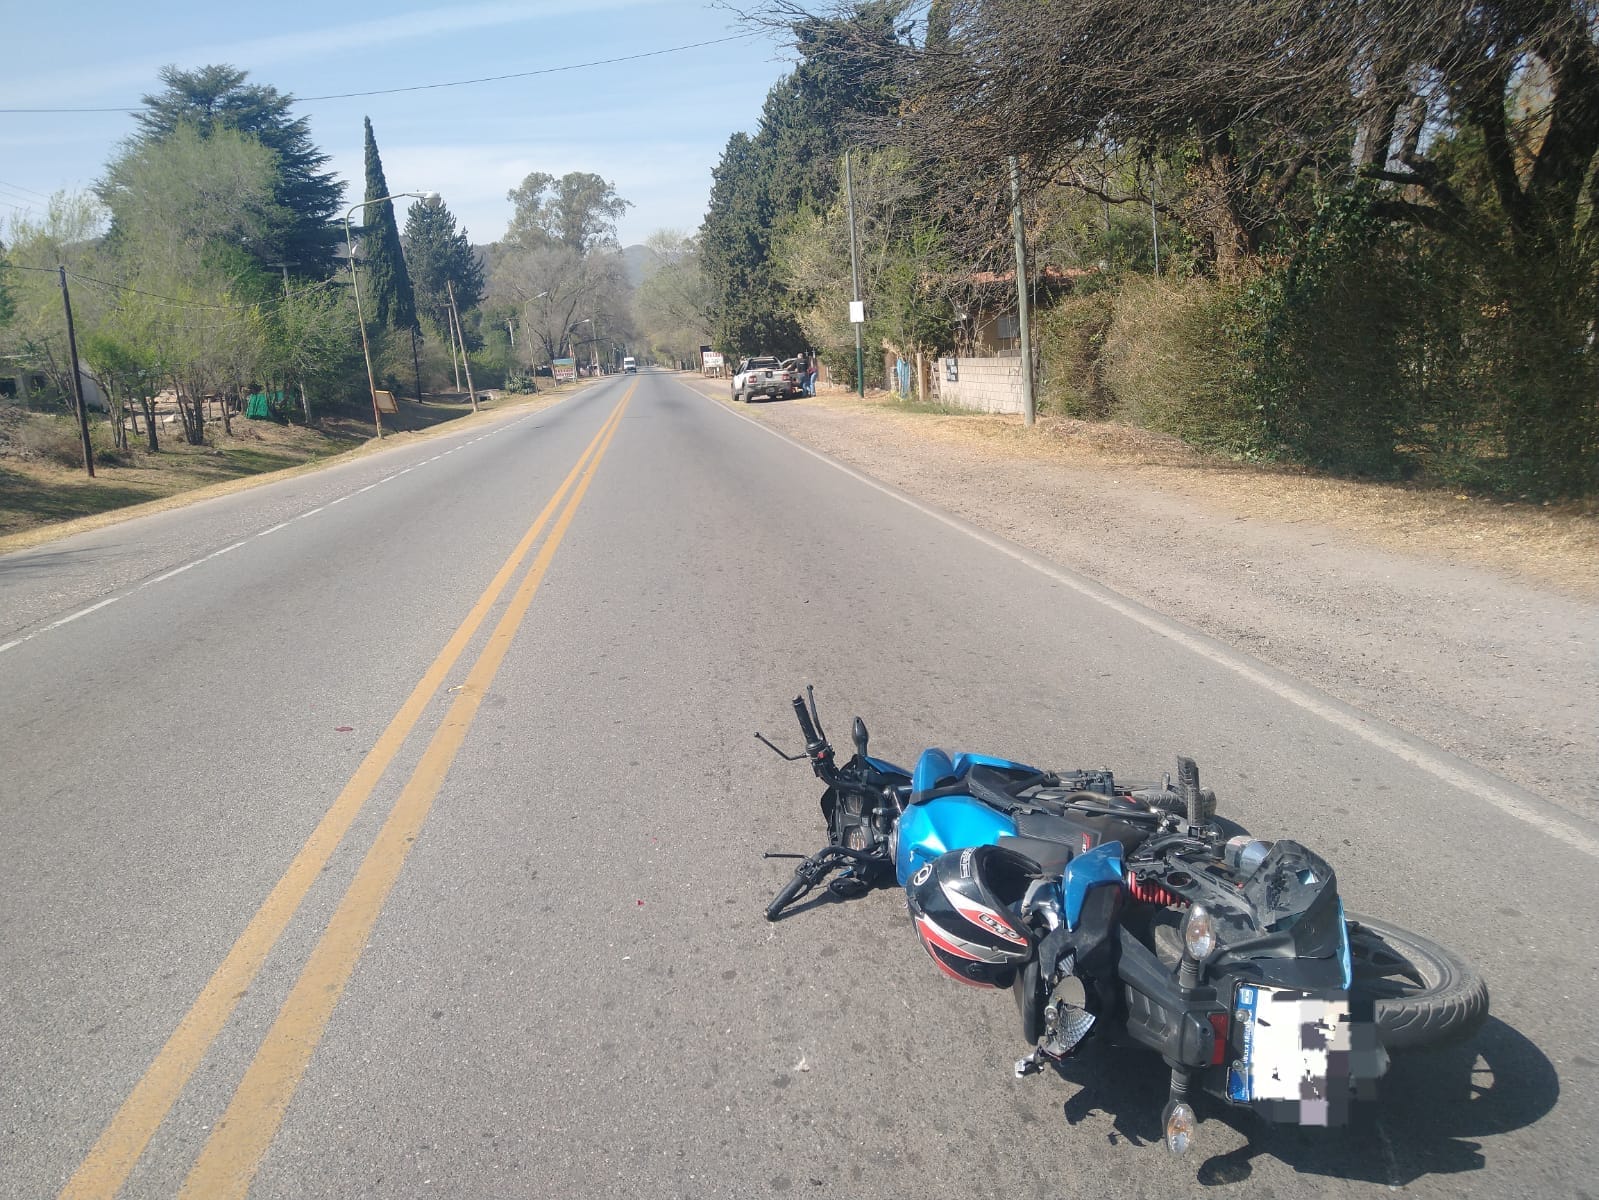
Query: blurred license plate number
{"type": "Point", "coordinates": [1287, 1038]}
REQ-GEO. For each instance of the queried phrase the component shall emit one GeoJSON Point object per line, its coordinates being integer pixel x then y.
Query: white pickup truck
{"type": "Point", "coordinates": [765, 377]}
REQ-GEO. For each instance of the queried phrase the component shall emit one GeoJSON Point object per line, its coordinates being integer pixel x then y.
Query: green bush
{"type": "Point", "coordinates": [1179, 357]}
{"type": "Point", "coordinates": [520, 381]}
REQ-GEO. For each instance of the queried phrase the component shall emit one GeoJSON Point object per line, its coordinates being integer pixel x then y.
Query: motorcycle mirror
{"type": "Point", "coordinates": [858, 732]}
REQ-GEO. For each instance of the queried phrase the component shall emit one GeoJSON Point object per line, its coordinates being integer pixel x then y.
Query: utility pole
{"type": "Point", "coordinates": [857, 311]}
{"type": "Point", "coordinates": [77, 383]}
{"type": "Point", "coordinates": [454, 312]}
{"type": "Point", "coordinates": [455, 363]}
{"type": "Point", "coordinates": [1154, 226]}
{"type": "Point", "coordinates": [1029, 410]}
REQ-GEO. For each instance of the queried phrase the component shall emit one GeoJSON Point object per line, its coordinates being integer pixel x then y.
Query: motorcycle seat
{"type": "Point", "coordinates": [1079, 831]}
{"type": "Point", "coordinates": [1051, 856]}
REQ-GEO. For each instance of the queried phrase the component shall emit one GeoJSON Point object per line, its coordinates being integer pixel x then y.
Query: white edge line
{"type": "Point", "coordinates": [1434, 764]}
{"type": "Point", "coordinates": [82, 612]}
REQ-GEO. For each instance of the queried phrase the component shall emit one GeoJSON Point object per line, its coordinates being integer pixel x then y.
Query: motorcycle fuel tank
{"type": "Point", "coordinates": [932, 827]}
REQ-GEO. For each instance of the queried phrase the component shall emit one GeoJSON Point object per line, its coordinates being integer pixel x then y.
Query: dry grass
{"type": "Point", "coordinates": [1556, 544]}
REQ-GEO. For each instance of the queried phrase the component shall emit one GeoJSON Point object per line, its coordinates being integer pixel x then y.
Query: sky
{"type": "Point", "coordinates": [654, 127]}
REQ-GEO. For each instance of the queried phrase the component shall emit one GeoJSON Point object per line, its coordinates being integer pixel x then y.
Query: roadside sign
{"type": "Point", "coordinates": [385, 402]}
{"type": "Point", "coordinates": [564, 369]}
{"type": "Point", "coordinates": [857, 312]}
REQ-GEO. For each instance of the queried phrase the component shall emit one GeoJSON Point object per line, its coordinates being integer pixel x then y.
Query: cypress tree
{"type": "Point", "coordinates": [393, 302]}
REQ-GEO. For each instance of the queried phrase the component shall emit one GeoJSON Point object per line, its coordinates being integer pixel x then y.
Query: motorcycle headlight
{"type": "Point", "coordinates": [1199, 933]}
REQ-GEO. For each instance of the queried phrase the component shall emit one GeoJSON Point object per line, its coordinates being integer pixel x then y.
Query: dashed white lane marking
{"type": "Point", "coordinates": [1369, 729]}
{"type": "Point", "coordinates": [83, 612]}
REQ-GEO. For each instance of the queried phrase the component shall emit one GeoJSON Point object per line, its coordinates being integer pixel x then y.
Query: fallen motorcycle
{"type": "Point", "coordinates": [1134, 915]}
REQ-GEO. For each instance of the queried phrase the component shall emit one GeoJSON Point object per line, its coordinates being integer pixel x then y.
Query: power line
{"type": "Point", "coordinates": [172, 300]}
{"type": "Point", "coordinates": [425, 87]}
{"type": "Point", "coordinates": [17, 187]}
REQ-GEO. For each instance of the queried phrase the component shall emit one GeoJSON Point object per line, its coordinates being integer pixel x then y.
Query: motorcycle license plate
{"type": "Point", "coordinates": [1293, 1055]}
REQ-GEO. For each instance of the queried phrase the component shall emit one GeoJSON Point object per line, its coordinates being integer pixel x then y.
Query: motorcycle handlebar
{"type": "Point", "coordinates": [787, 896]}
{"type": "Point", "coordinates": [808, 729]}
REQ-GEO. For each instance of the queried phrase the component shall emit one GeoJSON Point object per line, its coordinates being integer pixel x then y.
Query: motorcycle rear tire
{"type": "Point", "coordinates": [1424, 993]}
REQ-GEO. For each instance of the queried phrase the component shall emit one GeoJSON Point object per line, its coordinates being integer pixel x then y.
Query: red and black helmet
{"type": "Point", "coordinates": [963, 905]}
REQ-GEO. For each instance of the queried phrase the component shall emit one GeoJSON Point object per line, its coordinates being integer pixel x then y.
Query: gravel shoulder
{"type": "Point", "coordinates": [1468, 623]}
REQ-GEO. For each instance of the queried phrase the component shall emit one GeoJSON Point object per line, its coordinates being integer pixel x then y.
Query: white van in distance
{"type": "Point", "coordinates": [630, 366]}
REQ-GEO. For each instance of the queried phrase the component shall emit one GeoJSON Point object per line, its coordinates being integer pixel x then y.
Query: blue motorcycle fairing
{"type": "Point", "coordinates": [946, 823]}
{"type": "Point", "coordinates": [1344, 960]}
{"type": "Point", "coordinates": [1102, 864]}
{"type": "Point", "coordinates": [933, 768]}
{"type": "Point", "coordinates": [883, 767]}
{"type": "Point", "coordinates": [965, 762]}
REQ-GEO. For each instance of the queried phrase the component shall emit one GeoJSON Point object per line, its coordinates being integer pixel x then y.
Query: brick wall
{"type": "Point", "coordinates": [983, 384]}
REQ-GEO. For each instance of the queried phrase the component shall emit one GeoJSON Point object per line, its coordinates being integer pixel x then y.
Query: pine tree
{"type": "Point", "coordinates": [436, 252]}
{"type": "Point", "coordinates": [216, 97]}
{"type": "Point", "coordinates": [393, 302]}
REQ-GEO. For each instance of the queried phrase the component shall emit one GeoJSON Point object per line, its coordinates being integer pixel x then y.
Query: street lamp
{"type": "Point", "coordinates": [349, 243]}
{"type": "Point", "coordinates": [594, 338]}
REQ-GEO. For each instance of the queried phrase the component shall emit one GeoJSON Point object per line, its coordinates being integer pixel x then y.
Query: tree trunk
{"type": "Point", "coordinates": [191, 409]}
{"type": "Point", "coordinates": [416, 365]}
{"type": "Point", "coordinates": [148, 400]}
{"type": "Point", "coordinates": [1215, 207]}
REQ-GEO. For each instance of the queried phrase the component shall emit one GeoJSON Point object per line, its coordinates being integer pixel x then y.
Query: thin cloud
{"type": "Point", "coordinates": [90, 82]}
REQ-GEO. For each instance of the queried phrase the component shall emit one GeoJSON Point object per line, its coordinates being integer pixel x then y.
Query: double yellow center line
{"type": "Point", "coordinates": [233, 1153]}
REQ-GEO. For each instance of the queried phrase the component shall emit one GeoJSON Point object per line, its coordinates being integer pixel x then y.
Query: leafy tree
{"type": "Point", "coordinates": [790, 167]}
{"type": "Point", "coordinates": [904, 269]}
{"type": "Point", "coordinates": [389, 283]}
{"type": "Point", "coordinates": [189, 194]}
{"type": "Point", "coordinates": [312, 341]}
{"type": "Point", "coordinates": [579, 211]}
{"type": "Point", "coordinates": [66, 235]}
{"type": "Point", "coordinates": [673, 300]}
{"type": "Point", "coordinates": [307, 196]}
{"type": "Point", "coordinates": [437, 253]}
{"type": "Point", "coordinates": [553, 288]}
{"type": "Point", "coordinates": [7, 304]}
{"type": "Point", "coordinates": [189, 212]}
{"type": "Point", "coordinates": [747, 308]}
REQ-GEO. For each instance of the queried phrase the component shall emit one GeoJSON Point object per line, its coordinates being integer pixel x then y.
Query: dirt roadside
{"type": "Point", "coordinates": [1468, 623]}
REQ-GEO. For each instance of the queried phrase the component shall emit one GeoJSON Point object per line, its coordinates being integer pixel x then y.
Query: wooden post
{"type": "Point", "coordinates": [77, 383]}
{"type": "Point", "coordinates": [456, 313]}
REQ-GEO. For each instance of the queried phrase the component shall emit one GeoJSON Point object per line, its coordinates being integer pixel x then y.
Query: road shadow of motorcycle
{"type": "Point", "coordinates": [1430, 1106]}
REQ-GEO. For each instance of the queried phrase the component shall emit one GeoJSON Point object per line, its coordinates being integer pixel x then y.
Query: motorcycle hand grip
{"type": "Point", "coordinates": [786, 897]}
{"type": "Point", "coordinates": [804, 716]}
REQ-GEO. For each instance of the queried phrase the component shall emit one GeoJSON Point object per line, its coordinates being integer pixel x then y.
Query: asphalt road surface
{"type": "Point", "coordinates": [396, 830]}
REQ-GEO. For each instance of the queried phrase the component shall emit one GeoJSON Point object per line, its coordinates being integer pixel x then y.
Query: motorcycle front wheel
{"type": "Point", "coordinates": [1423, 993]}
